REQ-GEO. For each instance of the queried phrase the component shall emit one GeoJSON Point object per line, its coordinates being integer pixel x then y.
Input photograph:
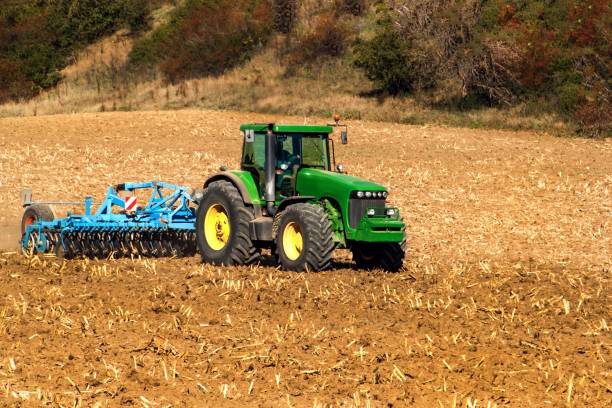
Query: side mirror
{"type": "Point", "coordinates": [344, 137]}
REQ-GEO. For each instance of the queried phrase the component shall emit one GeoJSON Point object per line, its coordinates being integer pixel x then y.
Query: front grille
{"type": "Point", "coordinates": [358, 207]}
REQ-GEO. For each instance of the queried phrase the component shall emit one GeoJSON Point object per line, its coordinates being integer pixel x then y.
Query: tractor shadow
{"type": "Point", "coordinates": [269, 260]}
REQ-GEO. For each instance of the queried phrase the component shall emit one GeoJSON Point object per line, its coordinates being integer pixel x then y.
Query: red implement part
{"type": "Point", "coordinates": [29, 220]}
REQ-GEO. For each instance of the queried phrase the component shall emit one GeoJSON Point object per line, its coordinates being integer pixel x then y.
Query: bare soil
{"type": "Point", "coordinates": [504, 299]}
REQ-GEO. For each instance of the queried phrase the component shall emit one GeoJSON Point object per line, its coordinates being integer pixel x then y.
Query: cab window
{"type": "Point", "coordinates": [314, 151]}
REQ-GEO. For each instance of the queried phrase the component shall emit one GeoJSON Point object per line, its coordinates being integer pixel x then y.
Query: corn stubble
{"type": "Point", "coordinates": [503, 301]}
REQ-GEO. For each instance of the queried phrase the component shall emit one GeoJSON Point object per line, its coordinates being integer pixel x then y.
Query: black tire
{"type": "Point", "coordinates": [317, 239]}
{"type": "Point", "coordinates": [239, 249]}
{"type": "Point", "coordinates": [388, 256]}
{"type": "Point", "coordinates": [36, 212]}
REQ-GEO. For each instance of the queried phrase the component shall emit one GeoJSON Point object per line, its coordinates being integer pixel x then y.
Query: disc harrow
{"type": "Point", "coordinates": [165, 227]}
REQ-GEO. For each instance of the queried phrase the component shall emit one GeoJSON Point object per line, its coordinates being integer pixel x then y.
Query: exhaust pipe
{"type": "Point", "coordinates": [270, 171]}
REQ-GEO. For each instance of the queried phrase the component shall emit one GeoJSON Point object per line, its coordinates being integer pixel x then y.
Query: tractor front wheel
{"type": "Point", "coordinates": [388, 256]}
{"type": "Point", "coordinates": [222, 226]}
{"type": "Point", "coordinates": [304, 240]}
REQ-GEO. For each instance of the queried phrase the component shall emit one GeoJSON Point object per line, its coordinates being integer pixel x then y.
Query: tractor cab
{"type": "Point", "coordinates": [291, 149]}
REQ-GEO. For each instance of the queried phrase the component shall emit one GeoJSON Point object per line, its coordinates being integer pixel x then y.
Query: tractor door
{"type": "Point", "coordinates": [253, 158]}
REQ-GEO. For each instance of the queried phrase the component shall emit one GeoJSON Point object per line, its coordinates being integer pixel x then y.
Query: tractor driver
{"type": "Point", "coordinates": [286, 159]}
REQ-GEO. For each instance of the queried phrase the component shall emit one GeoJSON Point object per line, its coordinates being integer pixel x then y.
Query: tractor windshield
{"type": "Point", "coordinates": [302, 149]}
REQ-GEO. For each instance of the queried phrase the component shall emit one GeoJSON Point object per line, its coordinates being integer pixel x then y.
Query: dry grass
{"type": "Point", "coordinates": [98, 82]}
{"type": "Point", "coordinates": [504, 299]}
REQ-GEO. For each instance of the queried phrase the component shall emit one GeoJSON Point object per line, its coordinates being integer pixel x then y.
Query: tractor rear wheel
{"type": "Point", "coordinates": [387, 255]}
{"type": "Point", "coordinates": [304, 240]}
{"type": "Point", "coordinates": [222, 226]}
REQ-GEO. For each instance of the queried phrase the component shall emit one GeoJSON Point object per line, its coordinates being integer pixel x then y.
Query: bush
{"type": "Point", "coordinates": [38, 37]}
{"type": "Point", "coordinates": [388, 60]}
{"type": "Point", "coordinates": [285, 14]}
{"type": "Point", "coordinates": [137, 15]}
{"type": "Point", "coordinates": [28, 59]}
{"type": "Point", "coordinates": [82, 22]}
{"type": "Point", "coordinates": [497, 52]}
{"type": "Point", "coordinates": [204, 37]}
{"type": "Point", "coordinates": [354, 7]}
{"type": "Point", "coordinates": [13, 83]}
{"type": "Point", "coordinates": [326, 38]}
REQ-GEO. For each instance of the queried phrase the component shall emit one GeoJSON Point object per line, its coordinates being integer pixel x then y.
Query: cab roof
{"type": "Point", "coordinates": [263, 127]}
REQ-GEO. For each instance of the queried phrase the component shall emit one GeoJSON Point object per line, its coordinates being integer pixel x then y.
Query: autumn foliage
{"type": "Point", "coordinates": [555, 56]}
{"type": "Point", "coordinates": [39, 38]}
{"type": "Point", "coordinates": [206, 37]}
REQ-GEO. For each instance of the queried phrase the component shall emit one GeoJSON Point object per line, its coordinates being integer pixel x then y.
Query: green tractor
{"type": "Point", "coordinates": [288, 197]}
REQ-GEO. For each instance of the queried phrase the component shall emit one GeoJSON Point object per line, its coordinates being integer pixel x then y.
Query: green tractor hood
{"type": "Point", "coordinates": [322, 183]}
{"type": "Point", "coordinates": [340, 191]}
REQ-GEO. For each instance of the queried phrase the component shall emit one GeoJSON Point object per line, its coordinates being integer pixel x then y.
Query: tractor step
{"type": "Point", "coordinates": [261, 229]}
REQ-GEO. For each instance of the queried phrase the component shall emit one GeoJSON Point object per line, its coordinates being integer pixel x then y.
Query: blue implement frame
{"type": "Point", "coordinates": [172, 211]}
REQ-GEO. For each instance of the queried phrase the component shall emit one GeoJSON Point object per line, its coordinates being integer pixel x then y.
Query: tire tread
{"type": "Point", "coordinates": [243, 251]}
{"type": "Point", "coordinates": [320, 251]}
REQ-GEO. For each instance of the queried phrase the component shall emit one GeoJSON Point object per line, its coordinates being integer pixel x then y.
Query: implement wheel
{"type": "Point", "coordinates": [304, 240]}
{"type": "Point", "coordinates": [32, 214]}
{"type": "Point", "coordinates": [388, 256]}
{"type": "Point", "coordinates": [222, 226]}
{"type": "Point", "coordinates": [36, 212]}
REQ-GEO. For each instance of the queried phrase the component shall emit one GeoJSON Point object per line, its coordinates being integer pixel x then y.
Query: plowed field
{"type": "Point", "coordinates": [504, 299]}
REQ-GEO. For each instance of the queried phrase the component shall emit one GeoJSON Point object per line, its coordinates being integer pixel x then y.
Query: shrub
{"type": "Point", "coordinates": [389, 61]}
{"type": "Point", "coordinates": [326, 38]}
{"type": "Point", "coordinates": [13, 83]}
{"type": "Point", "coordinates": [285, 14]}
{"type": "Point", "coordinates": [29, 61]}
{"type": "Point", "coordinates": [354, 7]}
{"type": "Point", "coordinates": [464, 62]}
{"type": "Point", "coordinates": [205, 37]}
{"type": "Point", "coordinates": [84, 21]}
{"type": "Point", "coordinates": [137, 15]}
{"type": "Point", "coordinates": [38, 37]}
{"type": "Point", "coordinates": [594, 116]}
{"type": "Point", "coordinates": [497, 52]}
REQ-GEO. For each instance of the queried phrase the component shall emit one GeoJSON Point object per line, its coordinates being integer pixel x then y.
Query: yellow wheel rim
{"type": "Point", "coordinates": [292, 241]}
{"type": "Point", "coordinates": [216, 227]}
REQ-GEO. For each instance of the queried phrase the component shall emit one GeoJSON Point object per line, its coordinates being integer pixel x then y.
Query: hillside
{"type": "Point", "coordinates": [495, 64]}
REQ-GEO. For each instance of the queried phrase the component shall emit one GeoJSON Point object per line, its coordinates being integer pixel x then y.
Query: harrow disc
{"type": "Point", "coordinates": [119, 243]}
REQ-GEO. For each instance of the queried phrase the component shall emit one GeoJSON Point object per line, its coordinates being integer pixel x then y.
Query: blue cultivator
{"type": "Point", "coordinates": [164, 227]}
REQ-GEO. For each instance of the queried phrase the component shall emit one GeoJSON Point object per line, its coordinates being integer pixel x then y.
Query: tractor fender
{"type": "Point", "coordinates": [235, 180]}
{"type": "Point", "coordinates": [293, 200]}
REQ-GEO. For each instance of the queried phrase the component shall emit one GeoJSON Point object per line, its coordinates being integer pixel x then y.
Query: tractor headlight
{"type": "Point", "coordinates": [370, 194]}
{"type": "Point", "coordinates": [391, 212]}
{"type": "Point", "coordinates": [371, 212]}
